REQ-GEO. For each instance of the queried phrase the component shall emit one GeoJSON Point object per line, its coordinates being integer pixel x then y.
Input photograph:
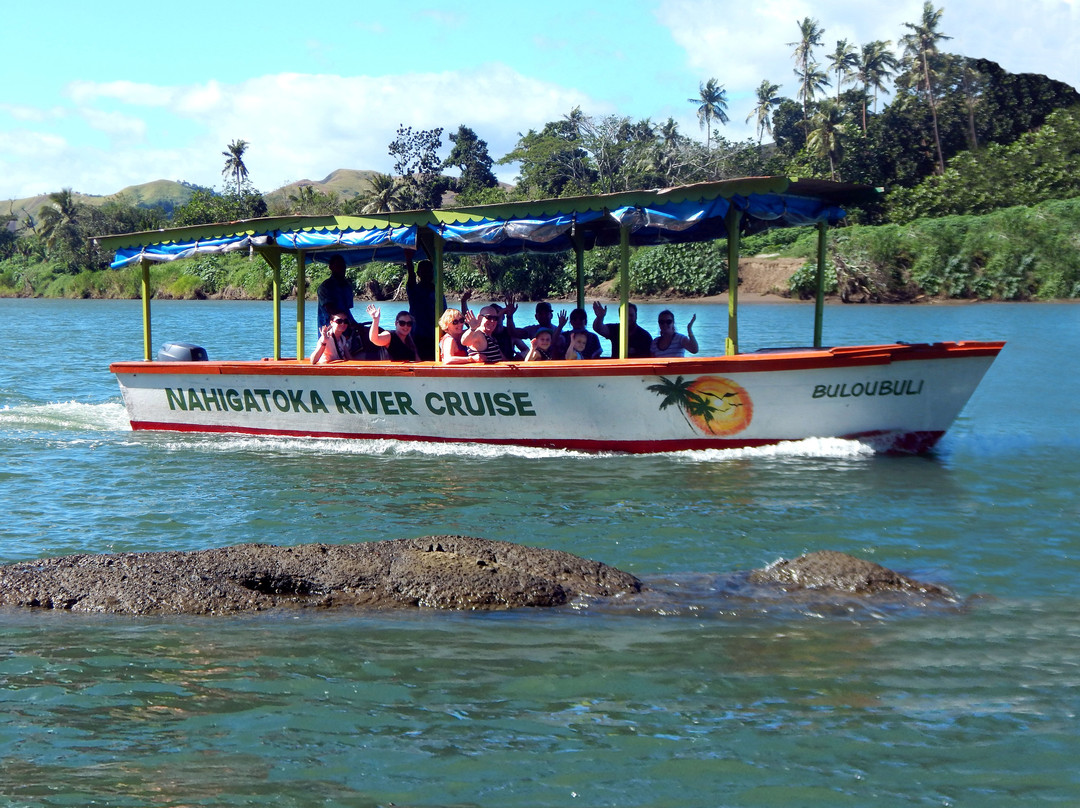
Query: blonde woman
{"type": "Point", "coordinates": [452, 324]}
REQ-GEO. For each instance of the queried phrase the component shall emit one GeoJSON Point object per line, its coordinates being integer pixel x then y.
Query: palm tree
{"type": "Point", "coordinates": [810, 34]}
{"type": "Point", "coordinates": [767, 98]}
{"type": "Point", "coordinates": [919, 46]}
{"type": "Point", "coordinates": [843, 60]}
{"type": "Point", "coordinates": [712, 103]}
{"type": "Point", "coordinates": [383, 195]}
{"type": "Point", "coordinates": [876, 64]}
{"type": "Point", "coordinates": [59, 223]}
{"type": "Point", "coordinates": [677, 393]}
{"type": "Point", "coordinates": [812, 81]}
{"type": "Point", "coordinates": [826, 138]}
{"type": "Point", "coordinates": [234, 163]}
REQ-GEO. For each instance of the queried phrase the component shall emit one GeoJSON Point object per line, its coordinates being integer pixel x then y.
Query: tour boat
{"type": "Point", "coordinates": [894, 397]}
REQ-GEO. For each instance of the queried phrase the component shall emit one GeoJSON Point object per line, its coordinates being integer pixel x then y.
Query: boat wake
{"type": "Point", "coordinates": [811, 447]}
{"type": "Point", "coordinates": [65, 416]}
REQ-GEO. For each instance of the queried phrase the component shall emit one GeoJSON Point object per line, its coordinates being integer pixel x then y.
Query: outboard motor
{"type": "Point", "coordinates": [181, 352]}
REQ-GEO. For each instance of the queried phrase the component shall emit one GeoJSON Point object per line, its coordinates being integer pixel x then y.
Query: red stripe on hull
{"type": "Point", "coordinates": [885, 442]}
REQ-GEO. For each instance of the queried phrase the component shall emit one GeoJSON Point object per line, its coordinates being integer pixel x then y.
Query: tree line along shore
{"type": "Point", "coordinates": [977, 166]}
{"type": "Point", "coordinates": [1019, 253]}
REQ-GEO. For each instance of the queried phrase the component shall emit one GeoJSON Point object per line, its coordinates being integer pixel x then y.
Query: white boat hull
{"type": "Point", "coordinates": [894, 397]}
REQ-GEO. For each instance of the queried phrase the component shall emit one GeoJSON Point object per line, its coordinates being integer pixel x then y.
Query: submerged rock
{"type": "Point", "coordinates": [830, 571]}
{"type": "Point", "coordinates": [443, 572]}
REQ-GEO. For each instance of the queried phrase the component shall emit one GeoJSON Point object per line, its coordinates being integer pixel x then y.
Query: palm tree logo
{"type": "Point", "coordinates": [711, 404]}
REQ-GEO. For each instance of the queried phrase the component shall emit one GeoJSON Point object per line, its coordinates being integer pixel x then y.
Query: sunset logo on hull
{"type": "Point", "coordinates": [710, 404]}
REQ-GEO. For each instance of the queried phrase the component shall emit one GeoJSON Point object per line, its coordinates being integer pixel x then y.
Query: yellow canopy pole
{"type": "Point", "coordinates": [145, 265]}
{"type": "Point", "coordinates": [273, 258]}
{"type": "Point", "coordinates": [301, 293]}
{"type": "Point", "coordinates": [819, 301]}
{"type": "Point", "coordinates": [732, 219]}
{"type": "Point", "coordinates": [440, 291]}
{"type": "Point", "coordinates": [624, 292]}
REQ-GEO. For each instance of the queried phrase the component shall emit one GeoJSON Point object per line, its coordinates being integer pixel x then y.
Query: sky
{"type": "Point", "coordinates": [97, 97]}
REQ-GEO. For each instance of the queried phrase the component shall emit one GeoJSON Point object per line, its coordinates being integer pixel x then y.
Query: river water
{"type": "Point", "coordinates": [692, 700]}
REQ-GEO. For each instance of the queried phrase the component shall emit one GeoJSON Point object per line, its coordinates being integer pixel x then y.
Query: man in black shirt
{"type": "Point", "coordinates": [640, 340]}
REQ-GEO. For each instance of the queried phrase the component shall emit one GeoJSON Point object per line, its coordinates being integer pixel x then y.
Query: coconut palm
{"type": "Point", "coordinates": [712, 103]}
{"type": "Point", "coordinates": [810, 34]}
{"type": "Point", "coordinates": [843, 61]}
{"type": "Point", "coordinates": [383, 195]}
{"type": "Point", "coordinates": [812, 81]}
{"type": "Point", "coordinates": [59, 226]}
{"type": "Point", "coordinates": [876, 64]}
{"type": "Point", "coordinates": [767, 98]}
{"type": "Point", "coordinates": [234, 163]}
{"type": "Point", "coordinates": [920, 45]}
{"type": "Point", "coordinates": [827, 135]}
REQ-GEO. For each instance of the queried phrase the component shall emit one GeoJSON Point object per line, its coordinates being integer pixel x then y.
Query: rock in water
{"type": "Point", "coordinates": [828, 570]}
{"type": "Point", "coordinates": [443, 572]}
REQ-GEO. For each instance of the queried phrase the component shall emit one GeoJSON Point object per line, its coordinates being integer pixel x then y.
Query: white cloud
{"type": "Point", "coordinates": [299, 126]}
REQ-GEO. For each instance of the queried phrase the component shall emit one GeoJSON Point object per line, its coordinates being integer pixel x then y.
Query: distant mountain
{"type": "Point", "coordinates": [162, 193]}
{"type": "Point", "coordinates": [168, 194]}
{"type": "Point", "coordinates": [345, 182]}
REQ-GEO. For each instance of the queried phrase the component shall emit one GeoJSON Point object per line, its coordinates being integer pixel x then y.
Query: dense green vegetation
{"type": "Point", "coordinates": [979, 165]}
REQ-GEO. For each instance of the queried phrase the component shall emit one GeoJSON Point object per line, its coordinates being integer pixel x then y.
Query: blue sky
{"type": "Point", "coordinates": [100, 97]}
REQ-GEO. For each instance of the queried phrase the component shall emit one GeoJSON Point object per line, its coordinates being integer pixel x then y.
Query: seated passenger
{"type": "Point", "coordinates": [399, 342]}
{"type": "Point", "coordinates": [451, 351]}
{"type": "Point", "coordinates": [671, 343]}
{"type": "Point", "coordinates": [541, 346]}
{"type": "Point", "coordinates": [361, 346]}
{"type": "Point", "coordinates": [480, 341]}
{"type": "Point", "coordinates": [579, 344]}
{"type": "Point", "coordinates": [593, 349]}
{"type": "Point", "coordinates": [333, 345]}
{"type": "Point", "coordinates": [640, 340]}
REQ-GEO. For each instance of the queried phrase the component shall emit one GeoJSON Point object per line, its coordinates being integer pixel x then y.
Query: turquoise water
{"type": "Point", "coordinates": [696, 699]}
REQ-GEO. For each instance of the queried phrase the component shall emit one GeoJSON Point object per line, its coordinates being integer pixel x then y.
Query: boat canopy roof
{"type": "Point", "coordinates": [682, 214]}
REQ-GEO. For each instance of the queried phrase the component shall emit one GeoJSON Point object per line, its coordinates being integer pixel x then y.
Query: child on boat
{"type": "Point", "coordinates": [579, 341]}
{"type": "Point", "coordinates": [541, 346]}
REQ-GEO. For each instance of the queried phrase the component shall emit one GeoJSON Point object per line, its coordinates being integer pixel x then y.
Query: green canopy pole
{"type": "Point", "coordinates": [440, 291]}
{"type": "Point", "coordinates": [301, 293]}
{"type": "Point", "coordinates": [819, 302]}
{"type": "Point", "coordinates": [624, 292]}
{"type": "Point", "coordinates": [731, 221]}
{"type": "Point", "coordinates": [145, 265]}
{"type": "Point", "coordinates": [579, 256]}
{"type": "Point", "coordinates": [273, 258]}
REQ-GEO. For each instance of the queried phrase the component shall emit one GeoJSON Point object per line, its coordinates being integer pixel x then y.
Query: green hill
{"type": "Point", "coordinates": [164, 193]}
{"type": "Point", "coordinates": [345, 182]}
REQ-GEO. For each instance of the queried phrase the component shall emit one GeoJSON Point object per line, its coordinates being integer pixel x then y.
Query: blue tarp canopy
{"type": "Point", "coordinates": [672, 215]}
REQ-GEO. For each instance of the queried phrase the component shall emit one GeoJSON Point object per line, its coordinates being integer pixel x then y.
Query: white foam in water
{"type": "Point", "coordinates": [107, 417]}
{"type": "Point", "coordinates": [811, 447]}
{"type": "Point", "coordinates": [381, 447]}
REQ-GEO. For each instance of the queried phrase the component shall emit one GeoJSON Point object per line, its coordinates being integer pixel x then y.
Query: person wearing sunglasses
{"type": "Point", "coordinates": [670, 343]}
{"type": "Point", "coordinates": [399, 342]}
{"type": "Point", "coordinates": [481, 341]}
{"type": "Point", "coordinates": [333, 344]}
{"type": "Point", "coordinates": [451, 351]}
